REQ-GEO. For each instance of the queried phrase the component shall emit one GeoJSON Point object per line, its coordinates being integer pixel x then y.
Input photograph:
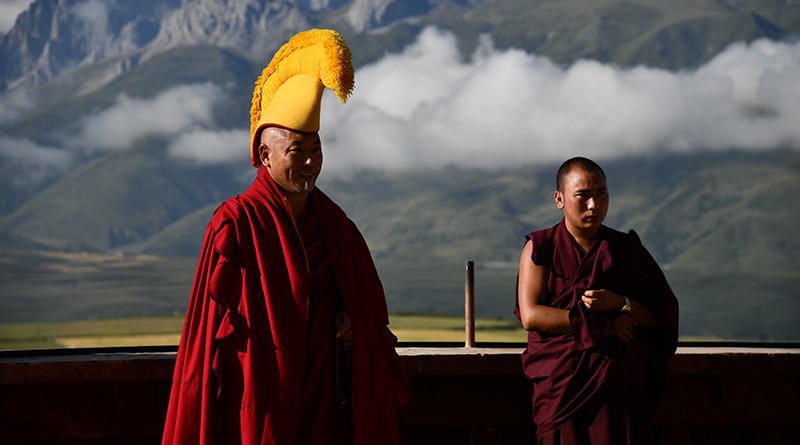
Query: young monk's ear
{"type": "Point", "coordinates": [559, 199]}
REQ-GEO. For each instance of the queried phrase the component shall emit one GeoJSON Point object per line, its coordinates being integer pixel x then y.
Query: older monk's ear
{"type": "Point", "coordinates": [263, 155]}
{"type": "Point", "coordinates": [559, 199]}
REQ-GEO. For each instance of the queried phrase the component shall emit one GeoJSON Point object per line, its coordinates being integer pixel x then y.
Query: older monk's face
{"type": "Point", "coordinates": [294, 160]}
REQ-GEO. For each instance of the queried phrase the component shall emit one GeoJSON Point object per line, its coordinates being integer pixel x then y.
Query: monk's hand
{"type": "Point", "coordinates": [344, 329]}
{"type": "Point", "coordinates": [601, 300]}
{"type": "Point", "coordinates": [623, 328]}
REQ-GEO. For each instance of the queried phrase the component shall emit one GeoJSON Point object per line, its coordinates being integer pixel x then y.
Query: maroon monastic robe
{"type": "Point", "coordinates": [589, 387]}
{"type": "Point", "coordinates": [249, 360]}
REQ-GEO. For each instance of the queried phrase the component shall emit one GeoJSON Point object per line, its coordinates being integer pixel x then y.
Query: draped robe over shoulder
{"type": "Point", "coordinates": [249, 362]}
{"type": "Point", "coordinates": [589, 387]}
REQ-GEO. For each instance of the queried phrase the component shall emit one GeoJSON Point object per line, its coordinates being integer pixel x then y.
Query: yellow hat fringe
{"type": "Point", "coordinates": [319, 53]}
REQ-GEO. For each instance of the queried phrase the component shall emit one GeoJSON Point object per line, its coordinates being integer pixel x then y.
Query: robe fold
{"type": "Point", "coordinates": [247, 351]}
{"type": "Point", "coordinates": [587, 385]}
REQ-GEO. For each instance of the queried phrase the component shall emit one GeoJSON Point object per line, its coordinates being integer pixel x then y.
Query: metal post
{"type": "Point", "coordinates": [469, 305]}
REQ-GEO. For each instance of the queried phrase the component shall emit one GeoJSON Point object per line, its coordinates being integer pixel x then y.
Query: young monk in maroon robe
{"type": "Point", "coordinates": [601, 318]}
{"type": "Point", "coordinates": [286, 338]}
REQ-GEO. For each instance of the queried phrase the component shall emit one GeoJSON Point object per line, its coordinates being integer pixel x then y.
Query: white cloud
{"type": "Point", "coordinates": [94, 14]}
{"type": "Point", "coordinates": [212, 147]}
{"type": "Point", "coordinates": [426, 108]}
{"type": "Point", "coordinates": [14, 103]}
{"type": "Point", "coordinates": [24, 162]}
{"type": "Point", "coordinates": [27, 152]}
{"type": "Point", "coordinates": [9, 11]}
{"type": "Point", "coordinates": [169, 114]}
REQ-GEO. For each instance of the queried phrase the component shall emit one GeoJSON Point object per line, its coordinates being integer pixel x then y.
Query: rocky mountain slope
{"type": "Point", "coordinates": [54, 37]}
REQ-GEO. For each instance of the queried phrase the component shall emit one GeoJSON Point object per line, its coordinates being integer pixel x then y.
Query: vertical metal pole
{"type": "Point", "coordinates": [469, 305]}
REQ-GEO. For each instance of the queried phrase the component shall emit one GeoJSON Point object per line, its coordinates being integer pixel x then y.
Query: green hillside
{"type": "Point", "coordinates": [182, 237]}
{"type": "Point", "coordinates": [721, 224]}
{"type": "Point", "coordinates": [673, 35]}
{"type": "Point", "coordinates": [694, 211]}
{"type": "Point", "coordinates": [115, 200]}
{"type": "Point", "coordinates": [681, 205]}
{"type": "Point", "coordinates": [729, 215]}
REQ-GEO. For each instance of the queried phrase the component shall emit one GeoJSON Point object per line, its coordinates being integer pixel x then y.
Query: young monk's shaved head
{"type": "Point", "coordinates": [573, 163]}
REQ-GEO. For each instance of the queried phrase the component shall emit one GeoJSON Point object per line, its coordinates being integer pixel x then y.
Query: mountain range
{"type": "Point", "coordinates": [56, 37]}
{"type": "Point", "coordinates": [720, 221]}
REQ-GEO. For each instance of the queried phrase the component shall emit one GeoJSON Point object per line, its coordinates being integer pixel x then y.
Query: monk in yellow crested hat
{"type": "Point", "coordinates": [286, 338]}
{"type": "Point", "coordinates": [288, 93]}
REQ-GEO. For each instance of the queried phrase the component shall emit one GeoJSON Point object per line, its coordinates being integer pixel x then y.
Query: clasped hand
{"type": "Point", "coordinates": [344, 328]}
{"type": "Point", "coordinates": [602, 300]}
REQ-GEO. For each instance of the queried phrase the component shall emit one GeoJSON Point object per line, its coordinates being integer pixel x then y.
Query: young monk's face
{"type": "Point", "coordinates": [294, 160]}
{"type": "Point", "coordinates": [584, 200]}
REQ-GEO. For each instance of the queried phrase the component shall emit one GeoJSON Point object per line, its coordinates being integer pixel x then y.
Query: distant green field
{"type": "Point", "coordinates": [75, 299]}
{"type": "Point", "coordinates": [165, 331]}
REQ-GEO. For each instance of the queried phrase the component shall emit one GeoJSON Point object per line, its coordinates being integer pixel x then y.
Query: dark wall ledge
{"type": "Point", "coordinates": [732, 395]}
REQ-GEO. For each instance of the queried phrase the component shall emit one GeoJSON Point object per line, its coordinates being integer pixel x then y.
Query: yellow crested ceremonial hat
{"type": "Point", "coordinates": [288, 93]}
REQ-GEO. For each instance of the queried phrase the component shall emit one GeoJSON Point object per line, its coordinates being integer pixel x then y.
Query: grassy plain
{"type": "Point", "coordinates": [83, 299]}
{"type": "Point", "coordinates": [165, 331]}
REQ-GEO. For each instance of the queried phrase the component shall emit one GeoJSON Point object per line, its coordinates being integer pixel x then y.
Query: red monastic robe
{"type": "Point", "coordinates": [245, 357]}
{"type": "Point", "coordinates": [589, 387]}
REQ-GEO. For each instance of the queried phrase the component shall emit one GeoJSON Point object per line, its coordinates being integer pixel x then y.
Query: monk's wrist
{"type": "Point", "coordinates": [626, 305]}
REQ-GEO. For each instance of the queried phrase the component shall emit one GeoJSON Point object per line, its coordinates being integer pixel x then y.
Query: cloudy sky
{"type": "Point", "coordinates": [426, 107]}
{"type": "Point", "coordinates": [170, 114]}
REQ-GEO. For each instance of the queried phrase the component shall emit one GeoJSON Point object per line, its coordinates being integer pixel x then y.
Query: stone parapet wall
{"type": "Point", "coordinates": [460, 396]}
